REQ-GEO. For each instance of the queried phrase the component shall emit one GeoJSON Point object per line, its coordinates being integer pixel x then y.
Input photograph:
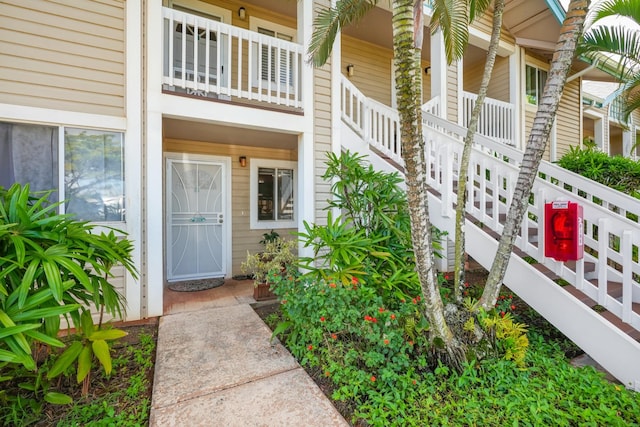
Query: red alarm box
{"type": "Point", "coordinates": [563, 231]}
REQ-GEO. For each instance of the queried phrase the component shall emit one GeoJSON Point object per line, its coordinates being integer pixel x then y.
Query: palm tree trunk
{"type": "Point", "coordinates": [459, 248]}
{"type": "Point", "coordinates": [570, 32]}
{"type": "Point", "coordinates": [409, 95]}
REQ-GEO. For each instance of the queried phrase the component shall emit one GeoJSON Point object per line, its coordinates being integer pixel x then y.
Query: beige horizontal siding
{"type": "Point", "coordinates": [568, 119]}
{"type": "Point", "coordinates": [372, 68]}
{"type": "Point", "coordinates": [499, 84]}
{"type": "Point", "coordinates": [485, 24]}
{"type": "Point", "coordinates": [452, 93]}
{"type": "Point", "coordinates": [63, 54]}
{"type": "Point", "coordinates": [244, 239]}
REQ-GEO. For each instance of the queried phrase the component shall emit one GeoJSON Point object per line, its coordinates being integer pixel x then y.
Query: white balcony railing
{"type": "Point", "coordinates": [377, 124]}
{"type": "Point", "coordinates": [497, 119]}
{"type": "Point", "coordinates": [204, 57]}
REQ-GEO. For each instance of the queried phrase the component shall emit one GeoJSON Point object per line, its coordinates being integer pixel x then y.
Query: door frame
{"type": "Point", "coordinates": [227, 224]}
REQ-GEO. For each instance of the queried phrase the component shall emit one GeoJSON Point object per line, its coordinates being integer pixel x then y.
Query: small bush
{"type": "Point", "coordinates": [617, 172]}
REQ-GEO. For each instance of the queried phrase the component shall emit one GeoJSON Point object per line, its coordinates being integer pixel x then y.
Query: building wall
{"type": "Point", "coordinates": [321, 132]}
{"type": "Point", "coordinates": [499, 84]}
{"type": "Point", "coordinates": [373, 68]}
{"type": "Point", "coordinates": [244, 239]}
{"type": "Point", "coordinates": [568, 118]}
{"type": "Point", "coordinates": [63, 55]}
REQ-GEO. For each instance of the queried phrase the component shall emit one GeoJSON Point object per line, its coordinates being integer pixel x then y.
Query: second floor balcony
{"type": "Point", "coordinates": [206, 58]}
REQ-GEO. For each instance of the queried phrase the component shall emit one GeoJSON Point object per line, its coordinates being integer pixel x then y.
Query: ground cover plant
{"type": "Point", "coordinates": [357, 324]}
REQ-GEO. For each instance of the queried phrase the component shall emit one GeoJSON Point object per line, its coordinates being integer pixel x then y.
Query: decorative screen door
{"type": "Point", "coordinates": [195, 216]}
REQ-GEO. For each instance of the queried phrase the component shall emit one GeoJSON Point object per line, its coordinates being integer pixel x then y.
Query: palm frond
{"type": "Point", "coordinates": [329, 21]}
{"type": "Point", "coordinates": [618, 40]}
{"type": "Point", "coordinates": [452, 17]}
{"type": "Point", "coordinates": [477, 8]}
{"type": "Point", "coordinates": [626, 8]}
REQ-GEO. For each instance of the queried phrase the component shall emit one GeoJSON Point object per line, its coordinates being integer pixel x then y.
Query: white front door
{"type": "Point", "coordinates": [196, 223]}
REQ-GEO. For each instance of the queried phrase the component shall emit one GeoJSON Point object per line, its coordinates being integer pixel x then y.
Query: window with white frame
{"type": "Point", "coordinates": [90, 163]}
{"type": "Point", "coordinates": [272, 193]}
{"type": "Point", "coordinates": [535, 81]}
{"type": "Point", "coordinates": [272, 63]}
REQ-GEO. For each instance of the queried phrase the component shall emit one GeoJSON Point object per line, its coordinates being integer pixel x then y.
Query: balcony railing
{"type": "Point", "coordinates": [497, 118]}
{"type": "Point", "coordinates": [376, 123]}
{"type": "Point", "coordinates": [207, 58]}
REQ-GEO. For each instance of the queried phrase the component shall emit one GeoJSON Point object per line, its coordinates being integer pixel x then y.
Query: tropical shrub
{"type": "Point", "coordinates": [53, 266]}
{"type": "Point", "coordinates": [617, 172]}
{"type": "Point", "coordinates": [372, 237]}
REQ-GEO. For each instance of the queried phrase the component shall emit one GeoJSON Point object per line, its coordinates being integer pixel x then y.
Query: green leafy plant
{"type": "Point", "coordinates": [90, 343]}
{"type": "Point", "coordinates": [51, 266]}
{"type": "Point", "coordinates": [277, 255]}
{"type": "Point", "coordinates": [617, 172]}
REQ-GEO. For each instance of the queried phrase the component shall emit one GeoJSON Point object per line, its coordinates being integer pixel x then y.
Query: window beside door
{"type": "Point", "coordinates": [90, 162]}
{"type": "Point", "coordinates": [272, 194]}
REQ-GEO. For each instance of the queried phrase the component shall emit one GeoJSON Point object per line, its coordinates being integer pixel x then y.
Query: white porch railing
{"type": "Point", "coordinates": [376, 123]}
{"type": "Point", "coordinates": [609, 274]}
{"type": "Point", "coordinates": [497, 118]}
{"type": "Point", "coordinates": [204, 57]}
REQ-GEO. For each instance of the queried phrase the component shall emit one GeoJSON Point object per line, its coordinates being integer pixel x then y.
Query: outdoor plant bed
{"type": "Point", "coordinates": [546, 390]}
{"type": "Point", "coordinates": [122, 399]}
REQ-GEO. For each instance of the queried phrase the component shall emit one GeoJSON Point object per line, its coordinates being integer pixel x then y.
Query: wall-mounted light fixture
{"type": "Point", "coordinates": [350, 70]}
{"type": "Point", "coordinates": [243, 161]}
{"type": "Point", "coordinates": [426, 70]}
{"type": "Point", "coordinates": [242, 13]}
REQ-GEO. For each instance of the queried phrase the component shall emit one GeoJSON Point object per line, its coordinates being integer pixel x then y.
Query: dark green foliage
{"type": "Point", "coordinates": [617, 172]}
{"type": "Point", "coordinates": [371, 240]}
{"type": "Point", "coordinates": [50, 266]}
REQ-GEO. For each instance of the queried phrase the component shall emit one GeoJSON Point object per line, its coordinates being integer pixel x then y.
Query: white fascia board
{"type": "Point", "coordinates": [46, 116]}
{"type": "Point", "coordinates": [536, 44]}
{"type": "Point", "coordinates": [230, 114]}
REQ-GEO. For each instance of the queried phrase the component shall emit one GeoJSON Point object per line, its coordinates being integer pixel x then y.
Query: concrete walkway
{"type": "Point", "coordinates": [216, 366]}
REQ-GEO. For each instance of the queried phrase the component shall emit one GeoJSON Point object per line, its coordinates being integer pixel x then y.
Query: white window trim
{"type": "Point", "coordinates": [255, 164]}
{"type": "Point", "coordinates": [76, 124]}
{"type": "Point", "coordinates": [208, 8]}
{"type": "Point", "coordinates": [254, 23]}
{"type": "Point", "coordinates": [538, 68]}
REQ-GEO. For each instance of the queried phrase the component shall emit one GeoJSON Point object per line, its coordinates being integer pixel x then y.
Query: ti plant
{"type": "Point", "coordinates": [91, 342]}
{"type": "Point", "coordinates": [51, 266]}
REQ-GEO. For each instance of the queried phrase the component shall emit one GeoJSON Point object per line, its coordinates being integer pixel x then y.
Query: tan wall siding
{"type": "Point", "coordinates": [322, 139]}
{"type": "Point", "coordinates": [485, 24]}
{"type": "Point", "coordinates": [244, 239]}
{"type": "Point", "coordinates": [372, 68]}
{"type": "Point", "coordinates": [63, 55]}
{"type": "Point", "coordinates": [321, 131]}
{"type": "Point", "coordinates": [499, 84]}
{"type": "Point", "coordinates": [568, 119]}
{"type": "Point", "coordinates": [452, 93]}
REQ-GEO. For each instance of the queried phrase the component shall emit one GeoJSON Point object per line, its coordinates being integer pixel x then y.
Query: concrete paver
{"type": "Point", "coordinates": [218, 366]}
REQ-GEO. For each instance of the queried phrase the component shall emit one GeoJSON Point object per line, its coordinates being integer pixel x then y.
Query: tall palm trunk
{"type": "Point", "coordinates": [459, 248]}
{"type": "Point", "coordinates": [569, 34]}
{"type": "Point", "coordinates": [407, 39]}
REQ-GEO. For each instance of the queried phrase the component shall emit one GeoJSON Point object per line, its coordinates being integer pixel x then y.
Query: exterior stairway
{"type": "Point", "coordinates": [607, 278]}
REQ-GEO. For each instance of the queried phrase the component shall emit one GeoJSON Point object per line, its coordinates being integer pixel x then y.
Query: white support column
{"type": "Point", "coordinates": [521, 107]}
{"type": "Point", "coordinates": [133, 153]}
{"type": "Point", "coordinates": [460, 90]}
{"type": "Point", "coordinates": [336, 114]}
{"type": "Point", "coordinates": [306, 172]}
{"type": "Point", "coordinates": [439, 71]}
{"type": "Point", "coordinates": [515, 95]}
{"type": "Point", "coordinates": [626, 143]}
{"type": "Point", "coordinates": [153, 192]}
